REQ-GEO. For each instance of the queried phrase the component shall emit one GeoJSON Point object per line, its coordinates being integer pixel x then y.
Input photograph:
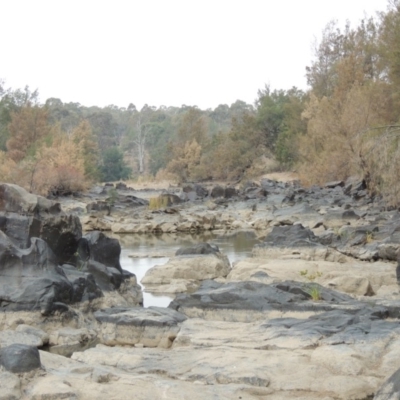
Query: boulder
{"type": "Point", "coordinates": [187, 269]}
{"type": "Point", "coordinates": [101, 249]}
{"type": "Point", "coordinates": [31, 278]}
{"type": "Point", "coordinates": [295, 241]}
{"type": "Point", "coordinates": [24, 215]}
{"type": "Point", "coordinates": [19, 358]}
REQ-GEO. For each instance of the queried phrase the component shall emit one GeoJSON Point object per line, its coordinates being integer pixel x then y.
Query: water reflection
{"type": "Point", "coordinates": [236, 246]}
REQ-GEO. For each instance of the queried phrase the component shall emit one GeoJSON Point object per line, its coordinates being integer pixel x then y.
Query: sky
{"type": "Point", "coordinates": [164, 52]}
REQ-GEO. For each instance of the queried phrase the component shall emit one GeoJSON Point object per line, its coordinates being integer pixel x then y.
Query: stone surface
{"type": "Point", "coordinates": [18, 358]}
{"type": "Point", "coordinates": [150, 327]}
{"type": "Point", "coordinates": [390, 390]}
{"type": "Point", "coordinates": [10, 386]}
{"type": "Point", "coordinates": [248, 301]}
{"type": "Point", "coordinates": [187, 270]}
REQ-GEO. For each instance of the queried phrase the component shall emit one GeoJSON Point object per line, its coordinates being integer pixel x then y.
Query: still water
{"type": "Point", "coordinates": [141, 252]}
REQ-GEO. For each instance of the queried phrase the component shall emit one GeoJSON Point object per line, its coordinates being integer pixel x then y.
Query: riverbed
{"type": "Point", "coordinates": [141, 252]}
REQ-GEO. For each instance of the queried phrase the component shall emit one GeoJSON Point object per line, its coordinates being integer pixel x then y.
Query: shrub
{"type": "Point", "coordinates": [156, 203]}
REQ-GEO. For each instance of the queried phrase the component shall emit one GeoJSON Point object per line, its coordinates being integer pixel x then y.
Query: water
{"type": "Point", "coordinates": [236, 246]}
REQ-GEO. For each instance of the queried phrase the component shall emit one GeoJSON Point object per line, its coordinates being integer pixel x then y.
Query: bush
{"type": "Point", "coordinates": [114, 167]}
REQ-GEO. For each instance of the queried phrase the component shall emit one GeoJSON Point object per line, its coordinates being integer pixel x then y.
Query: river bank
{"type": "Point", "coordinates": [312, 313]}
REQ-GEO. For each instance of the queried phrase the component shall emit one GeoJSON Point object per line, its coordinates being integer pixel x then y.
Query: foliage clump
{"type": "Point", "coordinates": [157, 203]}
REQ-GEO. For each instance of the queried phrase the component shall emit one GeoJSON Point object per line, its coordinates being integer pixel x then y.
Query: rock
{"type": "Point", "coordinates": [247, 301]}
{"type": "Point", "coordinates": [51, 387]}
{"type": "Point", "coordinates": [31, 279]}
{"type": "Point", "coordinates": [390, 390]}
{"type": "Point", "coordinates": [30, 330]}
{"type": "Point", "coordinates": [217, 191]}
{"type": "Point", "coordinates": [193, 192]}
{"type": "Point", "coordinates": [201, 248]}
{"type": "Point", "coordinates": [99, 206]}
{"type": "Point", "coordinates": [187, 270]}
{"type": "Point", "coordinates": [151, 327]}
{"type": "Point", "coordinates": [295, 241]}
{"type": "Point", "coordinates": [8, 338]}
{"type": "Point", "coordinates": [224, 192]}
{"type": "Point", "coordinates": [333, 184]}
{"type": "Point", "coordinates": [24, 215]}
{"type": "Point", "coordinates": [10, 386]}
{"type": "Point", "coordinates": [84, 284]}
{"type": "Point", "coordinates": [103, 249]}
{"type": "Point", "coordinates": [19, 358]}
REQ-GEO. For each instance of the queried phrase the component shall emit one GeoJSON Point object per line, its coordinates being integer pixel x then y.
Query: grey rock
{"type": "Point", "coordinates": [20, 358]}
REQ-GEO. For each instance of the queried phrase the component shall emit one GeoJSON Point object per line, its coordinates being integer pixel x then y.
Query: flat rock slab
{"type": "Point", "coordinates": [10, 386]}
{"type": "Point", "coordinates": [246, 301]}
{"type": "Point", "coordinates": [189, 267]}
{"type": "Point", "coordinates": [353, 277]}
{"type": "Point", "coordinates": [8, 337]}
{"type": "Point", "coordinates": [150, 327]}
{"type": "Point", "coordinates": [72, 379]}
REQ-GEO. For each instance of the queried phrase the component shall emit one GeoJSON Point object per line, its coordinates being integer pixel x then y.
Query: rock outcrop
{"type": "Point", "coordinates": [45, 263]}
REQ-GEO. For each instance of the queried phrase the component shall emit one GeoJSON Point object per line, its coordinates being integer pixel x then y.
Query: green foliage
{"type": "Point", "coordinates": [280, 123]}
{"type": "Point", "coordinates": [310, 277]}
{"type": "Point", "coordinates": [113, 167]}
{"type": "Point", "coordinates": [112, 196]}
{"type": "Point", "coordinates": [314, 292]}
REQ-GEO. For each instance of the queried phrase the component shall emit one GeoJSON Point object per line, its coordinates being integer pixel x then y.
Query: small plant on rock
{"type": "Point", "coordinates": [369, 237]}
{"type": "Point", "coordinates": [314, 292]}
{"type": "Point", "coordinates": [310, 277]}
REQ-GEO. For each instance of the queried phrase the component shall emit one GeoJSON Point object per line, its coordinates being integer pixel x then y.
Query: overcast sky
{"type": "Point", "coordinates": [164, 52]}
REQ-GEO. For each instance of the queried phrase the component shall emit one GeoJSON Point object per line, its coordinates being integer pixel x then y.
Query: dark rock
{"type": "Point", "coordinates": [19, 358]}
{"type": "Point", "coordinates": [31, 278]}
{"type": "Point", "coordinates": [201, 248]}
{"type": "Point", "coordinates": [353, 185]}
{"type": "Point", "coordinates": [15, 199]}
{"type": "Point", "coordinates": [121, 186]}
{"type": "Point", "coordinates": [290, 236]}
{"type": "Point", "coordinates": [268, 183]}
{"type": "Point", "coordinates": [131, 201]}
{"type": "Point", "coordinates": [103, 249]}
{"type": "Point", "coordinates": [255, 296]}
{"type": "Point", "coordinates": [230, 192]}
{"type": "Point", "coordinates": [98, 206]}
{"type": "Point", "coordinates": [193, 192]}
{"type": "Point", "coordinates": [217, 191]}
{"type": "Point", "coordinates": [83, 284]}
{"type": "Point", "coordinates": [24, 215]}
{"type": "Point", "coordinates": [62, 233]}
{"type": "Point", "coordinates": [107, 279]}
{"type": "Point", "coordinates": [20, 228]}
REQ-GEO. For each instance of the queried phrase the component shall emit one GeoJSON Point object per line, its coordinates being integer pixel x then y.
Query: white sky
{"type": "Point", "coordinates": [164, 52]}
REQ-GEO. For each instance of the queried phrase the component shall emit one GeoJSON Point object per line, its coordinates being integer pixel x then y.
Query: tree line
{"type": "Point", "coordinates": [346, 123]}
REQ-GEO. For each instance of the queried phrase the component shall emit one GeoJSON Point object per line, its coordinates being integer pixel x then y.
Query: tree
{"type": "Point", "coordinates": [28, 126]}
{"type": "Point", "coordinates": [83, 136]}
{"type": "Point", "coordinates": [113, 167]}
